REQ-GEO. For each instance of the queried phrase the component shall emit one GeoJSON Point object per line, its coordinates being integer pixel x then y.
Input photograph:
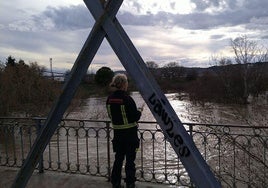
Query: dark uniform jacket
{"type": "Point", "coordinates": [124, 115]}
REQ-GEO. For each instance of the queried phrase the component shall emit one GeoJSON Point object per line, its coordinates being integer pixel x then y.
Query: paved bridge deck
{"type": "Point", "coordinates": [62, 180]}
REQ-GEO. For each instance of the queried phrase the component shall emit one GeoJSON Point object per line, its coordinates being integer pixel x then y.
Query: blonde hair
{"type": "Point", "coordinates": [119, 81]}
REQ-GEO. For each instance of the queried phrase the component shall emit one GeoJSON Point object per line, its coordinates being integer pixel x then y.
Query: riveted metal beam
{"type": "Point", "coordinates": [78, 71]}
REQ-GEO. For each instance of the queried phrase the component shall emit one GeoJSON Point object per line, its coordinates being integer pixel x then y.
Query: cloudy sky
{"type": "Point", "coordinates": [185, 31]}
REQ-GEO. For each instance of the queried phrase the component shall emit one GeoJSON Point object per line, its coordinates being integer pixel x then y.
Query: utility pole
{"type": "Point", "coordinates": [52, 75]}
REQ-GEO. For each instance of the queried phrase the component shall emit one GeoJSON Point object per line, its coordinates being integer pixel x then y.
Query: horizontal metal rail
{"type": "Point", "coordinates": [237, 154]}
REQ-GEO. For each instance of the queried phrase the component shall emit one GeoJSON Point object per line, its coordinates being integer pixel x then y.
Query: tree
{"type": "Point", "coordinates": [172, 65]}
{"type": "Point", "coordinates": [247, 52]}
{"type": "Point", "coordinates": [25, 89]}
{"type": "Point", "coordinates": [246, 74]}
{"type": "Point", "coordinates": [225, 72]}
{"type": "Point", "coordinates": [10, 61]}
{"type": "Point", "coordinates": [152, 65]}
{"type": "Point", "coordinates": [104, 76]}
{"type": "Point", "coordinates": [172, 71]}
{"type": "Point", "coordinates": [2, 66]}
{"type": "Point", "coordinates": [191, 75]}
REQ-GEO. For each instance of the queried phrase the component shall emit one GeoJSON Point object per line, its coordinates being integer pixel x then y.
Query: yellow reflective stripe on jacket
{"type": "Point", "coordinates": [125, 126]}
{"type": "Point", "coordinates": [124, 115]}
{"type": "Point", "coordinates": [109, 111]}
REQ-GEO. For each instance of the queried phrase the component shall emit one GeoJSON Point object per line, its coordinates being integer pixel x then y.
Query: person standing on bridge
{"type": "Point", "coordinates": [124, 115]}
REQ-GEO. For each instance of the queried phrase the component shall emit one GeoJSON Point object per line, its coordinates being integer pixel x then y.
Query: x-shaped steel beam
{"type": "Point", "coordinates": [108, 26]}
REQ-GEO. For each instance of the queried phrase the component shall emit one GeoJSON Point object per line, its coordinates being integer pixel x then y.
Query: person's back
{"type": "Point", "coordinates": [124, 115]}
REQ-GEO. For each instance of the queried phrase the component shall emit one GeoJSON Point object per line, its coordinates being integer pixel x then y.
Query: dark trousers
{"type": "Point", "coordinates": [124, 150]}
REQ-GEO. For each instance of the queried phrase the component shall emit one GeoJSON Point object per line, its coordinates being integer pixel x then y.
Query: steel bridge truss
{"type": "Point", "coordinates": [107, 25]}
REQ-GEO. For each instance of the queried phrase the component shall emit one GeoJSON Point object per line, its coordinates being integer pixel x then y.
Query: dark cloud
{"type": "Point", "coordinates": [265, 37]}
{"type": "Point", "coordinates": [137, 6]}
{"type": "Point", "coordinates": [64, 29]}
{"type": "Point", "coordinates": [127, 18]}
{"type": "Point", "coordinates": [78, 17]}
{"type": "Point", "coordinates": [72, 17]}
{"type": "Point", "coordinates": [217, 36]}
{"type": "Point", "coordinates": [203, 5]}
{"type": "Point", "coordinates": [189, 21]}
{"type": "Point", "coordinates": [231, 14]}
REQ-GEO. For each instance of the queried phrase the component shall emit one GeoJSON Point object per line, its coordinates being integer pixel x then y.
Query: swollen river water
{"type": "Point", "coordinates": [187, 111]}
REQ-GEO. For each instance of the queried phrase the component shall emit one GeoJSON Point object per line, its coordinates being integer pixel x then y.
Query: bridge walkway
{"type": "Point", "coordinates": [51, 179]}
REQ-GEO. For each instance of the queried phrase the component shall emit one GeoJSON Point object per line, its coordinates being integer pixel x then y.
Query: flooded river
{"type": "Point", "coordinates": [252, 114]}
{"type": "Point", "coordinates": [82, 149]}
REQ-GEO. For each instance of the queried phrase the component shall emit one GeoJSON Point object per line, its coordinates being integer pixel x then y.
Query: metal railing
{"type": "Point", "coordinates": [237, 154]}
